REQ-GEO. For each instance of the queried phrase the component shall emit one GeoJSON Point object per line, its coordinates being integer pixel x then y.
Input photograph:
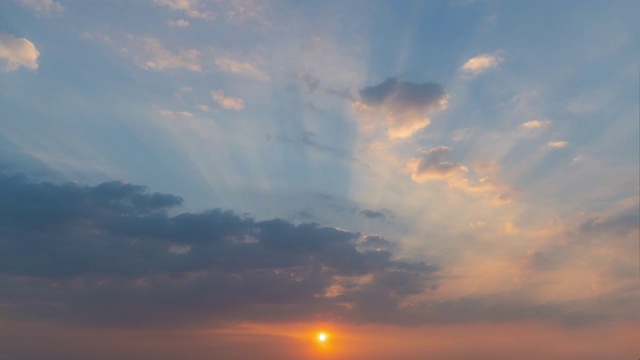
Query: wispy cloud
{"type": "Point", "coordinates": [191, 8]}
{"type": "Point", "coordinates": [17, 52]}
{"type": "Point", "coordinates": [536, 124]}
{"type": "Point", "coordinates": [44, 7]}
{"type": "Point", "coordinates": [481, 63]}
{"type": "Point", "coordinates": [150, 53]}
{"type": "Point", "coordinates": [227, 102]}
{"type": "Point", "coordinates": [558, 144]}
{"type": "Point", "coordinates": [241, 68]}
{"type": "Point", "coordinates": [175, 114]}
{"type": "Point", "coordinates": [180, 23]}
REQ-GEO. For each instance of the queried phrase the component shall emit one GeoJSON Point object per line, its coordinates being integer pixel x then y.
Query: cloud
{"type": "Point", "coordinates": [175, 114]}
{"type": "Point", "coordinates": [241, 68]}
{"type": "Point", "coordinates": [44, 7]}
{"type": "Point", "coordinates": [536, 124]}
{"type": "Point", "coordinates": [227, 102]}
{"type": "Point", "coordinates": [481, 63]}
{"type": "Point", "coordinates": [430, 165]}
{"type": "Point", "coordinates": [405, 105]}
{"type": "Point", "coordinates": [17, 52]}
{"type": "Point", "coordinates": [190, 8]}
{"type": "Point", "coordinates": [117, 257]}
{"type": "Point", "coordinates": [181, 23]}
{"type": "Point", "coordinates": [149, 53]}
{"type": "Point", "coordinates": [373, 214]}
{"type": "Point", "coordinates": [557, 144]}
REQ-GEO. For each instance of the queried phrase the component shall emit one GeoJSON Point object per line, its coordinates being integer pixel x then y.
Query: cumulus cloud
{"type": "Point", "coordinates": [17, 52]}
{"type": "Point", "coordinates": [558, 144]}
{"type": "Point", "coordinates": [44, 7]}
{"type": "Point", "coordinates": [405, 105]}
{"type": "Point", "coordinates": [241, 68]}
{"type": "Point", "coordinates": [191, 8]}
{"type": "Point", "coordinates": [227, 102]}
{"type": "Point", "coordinates": [536, 124]}
{"type": "Point", "coordinates": [116, 256]}
{"type": "Point", "coordinates": [481, 63]}
{"type": "Point", "coordinates": [150, 54]}
{"type": "Point", "coordinates": [431, 164]}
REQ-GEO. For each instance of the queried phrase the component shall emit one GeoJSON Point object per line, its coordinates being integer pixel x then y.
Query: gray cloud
{"type": "Point", "coordinates": [432, 164]}
{"type": "Point", "coordinates": [405, 104]}
{"type": "Point", "coordinates": [111, 254]}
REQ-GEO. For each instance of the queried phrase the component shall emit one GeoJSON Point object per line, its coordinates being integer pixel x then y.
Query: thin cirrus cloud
{"type": "Point", "coordinates": [241, 68]}
{"type": "Point", "coordinates": [175, 114]}
{"type": "Point", "coordinates": [536, 124]}
{"type": "Point", "coordinates": [180, 23]}
{"type": "Point", "coordinates": [44, 7]}
{"type": "Point", "coordinates": [405, 105]}
{"type": "Point", "coordinates": [17, 52]}
{"type": "Point", "coordinates": [150, 54]}
{"type": "Point", "coordinates": [480, 64]}
{"type": "Point", "coordinates": [191, 8]}
{"type": "Point", "coordinates": [227, 102]}
{"type": "Point", "coordinates": [557, 144]}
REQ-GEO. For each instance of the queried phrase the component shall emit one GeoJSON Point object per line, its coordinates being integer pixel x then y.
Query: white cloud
{"type": "Point", "coordinates": [227, 102]}
{"type": "Point", "coordinates": [558, 144]}
{"type": "Point", "coordinates": [175, 114]}
{"type": "Point", "coordinates": [481, 63]}
{"type": "Point", "coordinates": [181, 23]}
{"type": "Point", "coordinates": [149, 53]}
{"type": "Point", "coordinates": [241, 68]}
{"type": "Point", "coordinates": [536, 124]}
{"type": "Point", "coordinates": [44, 7]}
{"type": "Point", "coordinates": [17, 52]}
{"type": "Point", "coordinates": [190, 8]}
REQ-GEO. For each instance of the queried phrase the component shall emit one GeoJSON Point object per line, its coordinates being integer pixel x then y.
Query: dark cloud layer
{"type": "Point", "coordinates": [111, 253]}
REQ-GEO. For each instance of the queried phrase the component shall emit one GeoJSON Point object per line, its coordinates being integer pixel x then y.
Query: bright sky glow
{"type": "Point", "coordinates": [228, 177]}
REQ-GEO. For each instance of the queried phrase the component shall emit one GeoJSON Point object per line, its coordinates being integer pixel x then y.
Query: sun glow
{"type": "Point", "coordinates": [322, 337]}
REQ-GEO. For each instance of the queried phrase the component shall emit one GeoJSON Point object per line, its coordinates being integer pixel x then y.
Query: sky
{"type": "Point", "coordinates": [205, 179]}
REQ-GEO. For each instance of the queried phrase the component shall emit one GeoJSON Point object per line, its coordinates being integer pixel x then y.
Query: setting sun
{"type": "Point", "coordinates": [322, 337]}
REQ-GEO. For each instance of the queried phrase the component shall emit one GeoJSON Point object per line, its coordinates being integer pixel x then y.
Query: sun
{"type": "Point", "coordinates": [322, 337]}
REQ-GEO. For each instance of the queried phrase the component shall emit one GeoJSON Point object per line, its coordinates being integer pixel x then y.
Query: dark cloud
{"type": "Point", "coordinates": [312, 84]}
{"type": "Point", "coordinates": [111, 253]}
{"type": "Point", "coordinates": [405, 104]}
{"type": "Point", "coordinates": [373, 214]}
{"type": "Point", "coordinates": [620, 224]}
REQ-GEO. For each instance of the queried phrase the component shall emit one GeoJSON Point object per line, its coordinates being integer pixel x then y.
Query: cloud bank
{"type": "Point", "coordinates": [111, 254]}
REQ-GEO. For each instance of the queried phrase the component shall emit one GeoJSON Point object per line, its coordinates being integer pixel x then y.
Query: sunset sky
{"type": "Point", "coordinates": [208, 179]}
